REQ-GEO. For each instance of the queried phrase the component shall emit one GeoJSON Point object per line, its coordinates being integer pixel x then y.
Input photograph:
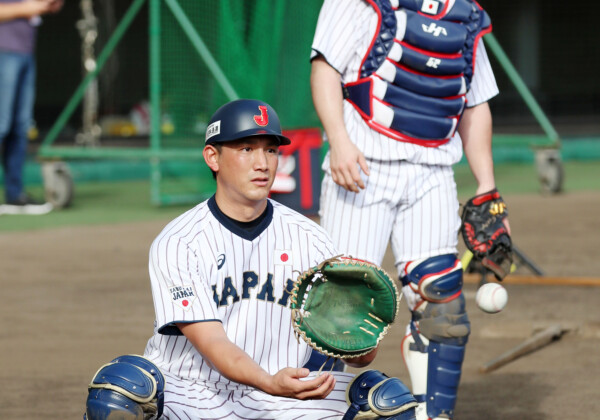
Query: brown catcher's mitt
{"type": "Point", "coordinates": [485, 234]}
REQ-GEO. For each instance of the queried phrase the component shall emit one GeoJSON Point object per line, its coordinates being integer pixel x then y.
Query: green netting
{"type": "Point", "coordinates": [204, 53]}
{"type": "Point", "coordinates": [261, 48]}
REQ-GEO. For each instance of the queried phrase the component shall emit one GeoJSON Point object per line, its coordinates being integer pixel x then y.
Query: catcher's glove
{"type": "Point", "coordinates": [343, 307]}
{"type": "Point", "coordinates": [485, 234]}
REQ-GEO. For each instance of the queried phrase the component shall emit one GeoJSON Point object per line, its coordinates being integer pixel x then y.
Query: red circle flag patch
{"type": "Point", "coordinates": [183, 296]}
{"type": "Point", "coordinates": [283, 256]}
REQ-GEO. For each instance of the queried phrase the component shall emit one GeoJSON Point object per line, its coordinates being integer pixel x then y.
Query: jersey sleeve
{"type": "Point", "coordinates": [180, 291]}
{"type": "Point", "coordinates": [483, 84]}
{"type": "Point", "coordinates": [336, 36]}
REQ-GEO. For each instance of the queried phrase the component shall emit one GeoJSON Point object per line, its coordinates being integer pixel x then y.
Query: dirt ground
{"type": "Point", "coordinates": [74, 298]}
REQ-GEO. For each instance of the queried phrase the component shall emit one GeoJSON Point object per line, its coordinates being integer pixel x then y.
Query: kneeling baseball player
{"type": "Point", "coordinates": [231, 307]}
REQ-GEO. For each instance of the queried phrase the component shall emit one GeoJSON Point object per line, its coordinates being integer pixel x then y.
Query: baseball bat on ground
{"type": "Point", "coordinates": [539, 340]}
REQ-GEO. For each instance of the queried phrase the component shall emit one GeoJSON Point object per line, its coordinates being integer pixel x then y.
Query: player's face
{"type": "Point", "coordinates": [246, 168]}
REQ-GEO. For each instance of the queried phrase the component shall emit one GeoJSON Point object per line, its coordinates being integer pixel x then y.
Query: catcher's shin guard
{"type": "Point", "coordinates": [434, 346]}
{"type": "Point", "coordinates": [129, 387]}
{"type": "Point", "coordinates": [374, 395]}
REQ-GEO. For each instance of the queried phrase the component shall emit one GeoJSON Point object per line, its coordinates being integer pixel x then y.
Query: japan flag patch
{"type": "Point", "coordinates": [283, 257]}
{"type": "Point", "coordinates": [430, 7]}
{"type": "Point", "coordinates": [183, 296]}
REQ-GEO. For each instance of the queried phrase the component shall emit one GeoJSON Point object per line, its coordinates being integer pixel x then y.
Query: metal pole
{"type": "Point", "coordinates": [155, 90]}
{"type": "Point", "coordinates": [522, 88]}
{"type": "Point", "coordinates": [202, 49]}
{"type": "Point", "coordinates": [102, 57]}
{"type": "Point", "coordinates": [276, 37]}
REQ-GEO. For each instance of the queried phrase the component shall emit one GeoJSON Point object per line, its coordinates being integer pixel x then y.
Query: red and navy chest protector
{"type": "Point", "coordinates": [419, 66]}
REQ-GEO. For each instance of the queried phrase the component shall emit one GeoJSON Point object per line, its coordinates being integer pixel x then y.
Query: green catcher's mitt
{"type": "Point", "coordinates": [344, 307]}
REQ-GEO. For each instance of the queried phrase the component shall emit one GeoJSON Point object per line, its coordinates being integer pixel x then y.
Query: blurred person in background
{"type": "Point", "coordinates": [19, 20]}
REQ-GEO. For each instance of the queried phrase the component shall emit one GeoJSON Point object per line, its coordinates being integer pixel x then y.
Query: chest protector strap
{"type": "Point", "coordinates": [414, 78]}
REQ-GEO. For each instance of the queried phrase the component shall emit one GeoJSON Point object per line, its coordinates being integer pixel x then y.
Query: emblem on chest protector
{"type": "Point", "coordinates": [183, 296]}
{"type": "Point", "coordinates": [431, 7]}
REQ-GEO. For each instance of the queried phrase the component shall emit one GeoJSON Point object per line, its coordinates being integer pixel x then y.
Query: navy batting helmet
{"type": "Point", "coordinates": [244, 118]}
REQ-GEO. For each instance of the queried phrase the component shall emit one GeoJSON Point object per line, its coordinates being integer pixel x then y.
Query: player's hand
{"type": "Point", "coordinates": [361, 361]}
{"type": "Point", "coordinates": [287, 383]}
{"type": "Point", "coordinates": [55, 6]}
{"type": "Point", "coordinates": [506, 225]}
{"type": "Point", "coordinates": [346, 161]}
{"type": "Point", "coordinates": [484, 188]}
{"type": "Point", "coordinates": [41, 7]}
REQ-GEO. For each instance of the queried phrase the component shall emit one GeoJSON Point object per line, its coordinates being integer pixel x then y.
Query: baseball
{"type": "Point", "coordinates": [491, 298]}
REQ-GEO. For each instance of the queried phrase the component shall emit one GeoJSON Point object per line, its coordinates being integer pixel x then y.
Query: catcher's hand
{"type": "Point", "coordinates": [343, 307]}
{"type": "Point", "coordinates": [485, 234]}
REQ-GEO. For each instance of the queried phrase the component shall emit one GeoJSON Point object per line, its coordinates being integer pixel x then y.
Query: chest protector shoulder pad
{"type": "Point", "coordinates": [414, 78]}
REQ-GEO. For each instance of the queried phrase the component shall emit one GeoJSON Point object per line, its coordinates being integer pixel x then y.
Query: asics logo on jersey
{"type": "Point", "coordinates": [220, 261]}
{"type": "Point", "coordinates": [251, 288]}
{"type": "Point", "coordinates": [434, 29]}
{"type": "Point", "coordinates": [433, 62]}
{"type": "Point", "coordinates": [263, 118]}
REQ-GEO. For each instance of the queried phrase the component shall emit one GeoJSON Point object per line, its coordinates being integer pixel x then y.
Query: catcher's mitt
{"type": "Point", "coordinates": [343, 307]}
{"type": "Point", "coordinates": [485, 234]}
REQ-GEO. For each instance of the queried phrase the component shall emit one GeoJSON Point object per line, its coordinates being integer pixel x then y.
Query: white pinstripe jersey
{"type": "Point", "coordinates": [344, 31]}
{"type": "Point", "coordinates": [203, 267]}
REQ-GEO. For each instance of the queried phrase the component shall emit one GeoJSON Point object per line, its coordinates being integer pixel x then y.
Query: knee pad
{"type": "Point", "coordinates": [436, 279]}
{"type": "Point", "coordinates": [374, 395]}
{"type": "Point", "coordinates": [129, 387]}
{"type": "Point", "coordinates": [434, 350]}
{"type": "Point", "coordinates": [446, 322]}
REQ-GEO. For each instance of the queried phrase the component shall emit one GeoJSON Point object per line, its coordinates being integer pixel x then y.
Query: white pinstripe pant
{"type": "Point", "coordinates": [412, 205]}
{"type": "Point", "coordinates": [191, 400]}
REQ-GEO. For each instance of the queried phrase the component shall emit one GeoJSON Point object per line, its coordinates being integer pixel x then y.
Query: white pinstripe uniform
{"type": "Point", "coordinates": [204, 267]}
{"type": "Point", "coordinates": [410, 196]}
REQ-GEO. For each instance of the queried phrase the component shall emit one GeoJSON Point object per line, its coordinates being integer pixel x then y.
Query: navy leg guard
{"type": "Point", "coordinates": [435, 348]}
{"type": "Point", "coordinates": [373, 393]}
{"type": "Point", "coordinates": [318, 361]}
{"type": "Point", "coordinates": [129, 387]}
{"type": "Point", "coordinates": [443, 377]}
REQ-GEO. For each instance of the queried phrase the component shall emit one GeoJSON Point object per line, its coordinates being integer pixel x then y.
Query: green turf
{"type": "Point", "coordinates": [129, 201]}
{"type": "Point", "coordinates": [522, 178]}
{"type": "Point", "coordinates": [97, 203]}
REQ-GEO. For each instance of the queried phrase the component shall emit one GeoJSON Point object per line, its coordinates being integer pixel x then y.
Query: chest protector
{"type": "Point", "coordinates": [419, 66]}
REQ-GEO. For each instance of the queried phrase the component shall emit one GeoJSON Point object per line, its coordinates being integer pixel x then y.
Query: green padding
{"type": "Point", "coordinates": [507, 149]}
{"type": "Point", "coordinates": [121, 170]}
{"type": "Point", "coordinates": [521, 149]}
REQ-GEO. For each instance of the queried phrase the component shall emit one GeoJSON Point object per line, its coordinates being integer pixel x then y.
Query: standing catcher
{"type": "Point", "coordinates": [223, 284]}
{"type": "Point", "coordinates": [401, 89]}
